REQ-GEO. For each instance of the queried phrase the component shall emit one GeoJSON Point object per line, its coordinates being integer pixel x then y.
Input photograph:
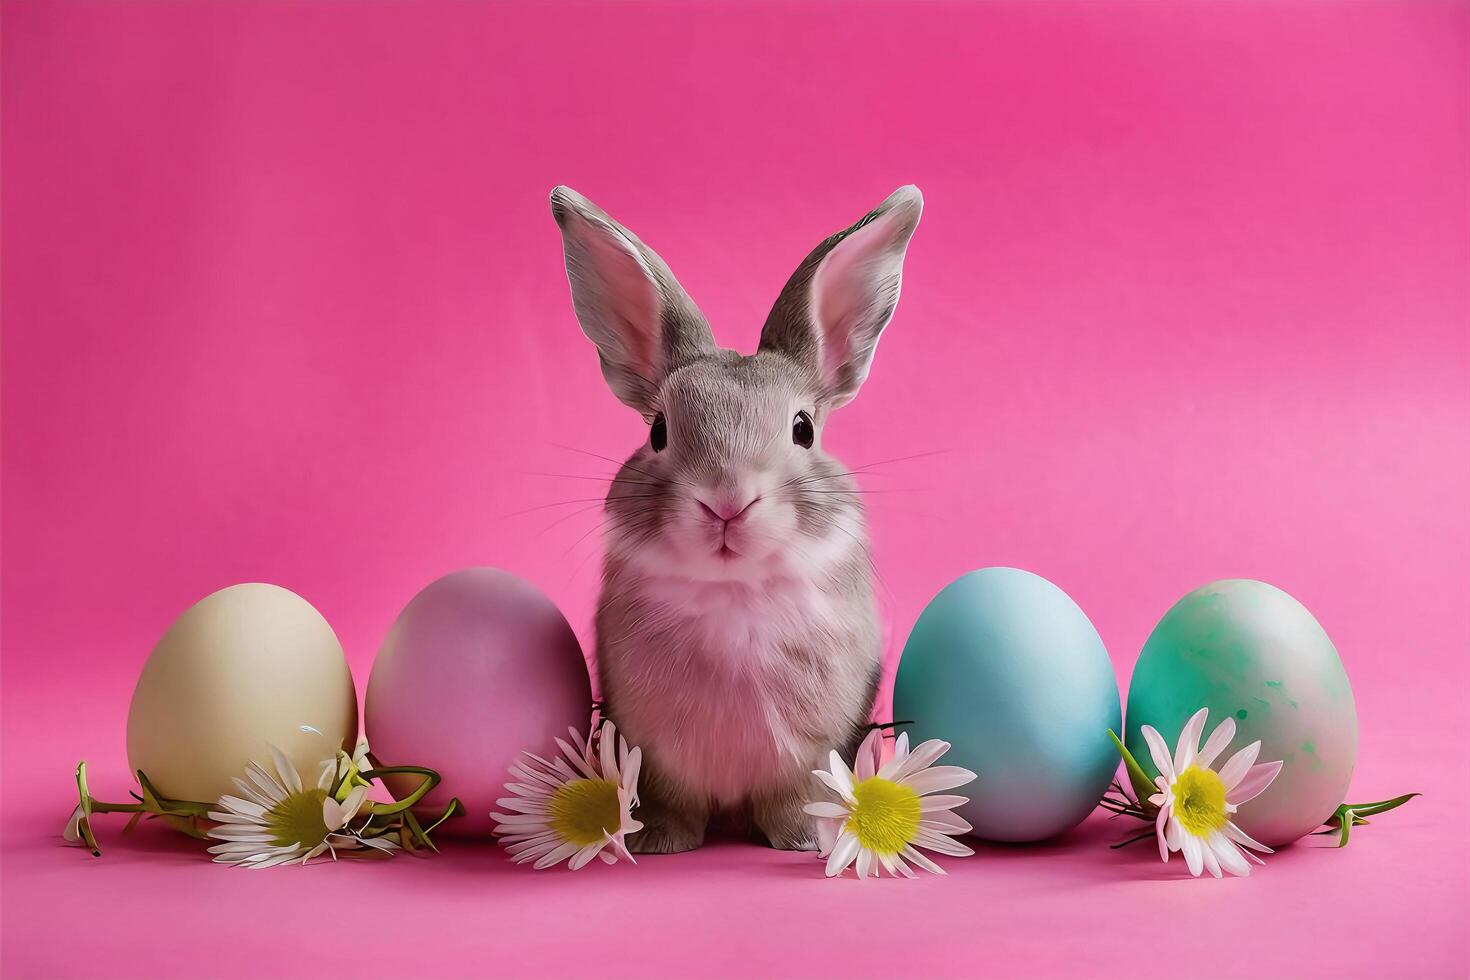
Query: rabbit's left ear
{"type": "Point", "coordinates": [628, 302]}
{"type": "Point", "coordinates": [834, 307]}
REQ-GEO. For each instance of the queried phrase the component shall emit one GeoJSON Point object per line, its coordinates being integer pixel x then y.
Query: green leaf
{"type": "Point", "coordinates": [1382, 806]}
{"type": "Point", "coordinates": [150, 798]}
{"type": "Point", "coordinates": [455, 809]}
{"type": "Point", "coordinates": [1143, 788]}
{"type": "Point", "coordinates": [156, 802]}
{"type": "Point", "coordinates": [1350, 815]}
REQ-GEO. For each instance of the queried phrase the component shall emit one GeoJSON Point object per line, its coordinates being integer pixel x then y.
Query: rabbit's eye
{"type": "Point", "coordinates": [658, 438]}
{"type": "Point", "coordinates": [803, 432]}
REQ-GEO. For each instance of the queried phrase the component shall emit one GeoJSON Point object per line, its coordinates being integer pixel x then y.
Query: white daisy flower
{"type": "Point", "coordinates": [887, 811]}
{"type": "Point", "coordinates": [1195, 802]}
{"type": "Point", "coordinates": [573, 807]}
{"type": "Point", "coordinates": [276, 819]}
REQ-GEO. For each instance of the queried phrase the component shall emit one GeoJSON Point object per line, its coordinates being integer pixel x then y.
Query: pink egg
{"type": "Point", "coordinates": [479, 666]}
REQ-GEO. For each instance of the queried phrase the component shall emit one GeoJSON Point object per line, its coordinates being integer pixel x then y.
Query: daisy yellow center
{"type": "Point", "coordinates": [584, 811]}
{"type": "Point", "coordinates": [885, 815]}
{"type": "Point", "coordinates": [298, 819]}
{"type": "Point", "coordinates": [1199, 801]}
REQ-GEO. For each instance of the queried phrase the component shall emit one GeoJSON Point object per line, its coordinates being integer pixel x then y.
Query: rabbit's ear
{"type": "Point", "coordinates": [836, 304]}
{"type": "Point", "coordinates": [628, 302]}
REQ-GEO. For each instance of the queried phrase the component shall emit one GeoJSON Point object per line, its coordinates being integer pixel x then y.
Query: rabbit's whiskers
{"type": "Point", "coordinates": [628, 465]}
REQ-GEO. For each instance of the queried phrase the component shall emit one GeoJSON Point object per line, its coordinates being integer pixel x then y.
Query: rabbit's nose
{"type": "Point", "coordinates": [728, 508]}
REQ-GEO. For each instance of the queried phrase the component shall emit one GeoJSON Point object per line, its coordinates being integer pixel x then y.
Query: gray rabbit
{"type": "Point", "coordinates": [737, 639]}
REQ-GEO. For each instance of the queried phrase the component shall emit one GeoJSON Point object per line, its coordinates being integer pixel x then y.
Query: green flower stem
{"type": "Point", "coordinates": [455, 809]}
{"type": "Point", "coordinates": [431, 779]}
{"type": "Point", "coordinates": [408, 824]}
{"type": "Point", "coordinates": [414, 835]}
{"type": "Point", "coordinates": [1351, 815]}
{"type": "Point", "coordinates": [187, 816]}
{"type": "Point", "coordinates": [98, 806]}
{"type": "Point", "coordinates": [1143, 787]}
{"type": "Point", "coordinates": [164, 805]}
{"type": "Point", "coordinates": [182, 815]}
{"type": "Point", "coordinates": [1146, 835]}
{"type": "Point", "coordinates": [84, 825]}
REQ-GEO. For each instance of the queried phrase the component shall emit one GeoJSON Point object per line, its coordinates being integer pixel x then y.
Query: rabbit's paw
{"type": "Point", "coordinates": [786, 825]}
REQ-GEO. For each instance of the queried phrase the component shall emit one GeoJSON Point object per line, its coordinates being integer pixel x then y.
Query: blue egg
{"type": "Point", "coordinates": [1007, 668]}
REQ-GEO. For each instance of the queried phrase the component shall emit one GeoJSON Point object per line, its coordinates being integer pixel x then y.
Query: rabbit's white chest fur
{"type": "Point", "coordinates": [728, 686]}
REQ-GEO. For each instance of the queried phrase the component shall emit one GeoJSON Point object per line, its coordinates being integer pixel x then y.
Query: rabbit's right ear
{"type": "Point", "coordinates": [835, 306]}
{"type": "Point", "coordinates": [628, 302]}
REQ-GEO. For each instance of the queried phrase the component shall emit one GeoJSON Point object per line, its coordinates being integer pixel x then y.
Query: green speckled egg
{"type": "Point", "coordinates": [1250, 651]}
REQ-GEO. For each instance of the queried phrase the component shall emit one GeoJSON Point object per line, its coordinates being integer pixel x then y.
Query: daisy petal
{"type": "Point", "coordinates": [1193, 855]}
{"type": "Point", "coordinates": [869, 755]}
{"type": "Point", "coordinates": [937, 778]}
{"type": "Point", "coordinates": [1216, 743]}
{"type": "Point", "coordinates": [1212, 863]}
{"type": "Point", "coordinates": [269, 786]}
{"type": "Point", "coordinates": [249, 791]}
{"type": "Point", "coordinates": [1241, 837]}
{"type": "Point", "coordinates": [1228, 855]}
{"type": "Point", "coordinates": [934, 841]}
{"type": "Point", "coordinates": [556, 855]}
{"type": "Point", "coordinates": [1174, 835]}
{"type": "Point", "coordinates": [946, 822]}
{"type": "Point", "coordinates": [839, 769]}
{"type": "Point", "coordinates": [586, 854]}
{"type": "Point", "coordinates": [901, 746]}
{"type": "Point", "coordinates": [631, 767]}
{"type": "Point", "coordinates": [821, 809]}
{"type": "Point", "coordinates": [924, 754]}
{"type": "Point", "coordinates": [1189, 740]}
{"type": "Point", "coordinates": [332, 814]}
{"type": "Point", "coordinates": [242, 807]}
{"type": "Point", "coordinates": [827, 831]}
{"type": "Point", "coordinates": [1159, 750]}
{"type": "Point", "coordinates": [608, 754]}
{"type": "Point", "coordinates": [353, 803]}
{"type": "Point", "coordinates": [1238, 765]}
{"type": "Point", "coordinates": [834, 783]}
{"type": "Point", "coordinates": [576, 759]}
{"type": "Point", "coordinates": [921, 860]}
{"type": "Point", "coordinates": [844, 852]}
{"type": "Point", "coordinates": [1253, 783]}
{"type": "Point", "coordinates": [286, 769]}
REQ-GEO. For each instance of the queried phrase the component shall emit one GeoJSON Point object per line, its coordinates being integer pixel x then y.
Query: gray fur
{"type": "Point", "coordinates": [736, 647]}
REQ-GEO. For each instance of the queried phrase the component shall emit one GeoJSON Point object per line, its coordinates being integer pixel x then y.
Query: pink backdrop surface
{"type": "Point", "coordinates": [283, 301]}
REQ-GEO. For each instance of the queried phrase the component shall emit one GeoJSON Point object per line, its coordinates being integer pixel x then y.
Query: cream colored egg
{"type": "Point", "coordinates": [248, 667]}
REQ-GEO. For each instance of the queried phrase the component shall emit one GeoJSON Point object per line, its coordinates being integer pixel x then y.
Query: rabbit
{"type": "Point", "coordinates": [737, 639]}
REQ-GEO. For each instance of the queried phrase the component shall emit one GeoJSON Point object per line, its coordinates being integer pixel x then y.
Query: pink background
{"type": "Point", "coordinates": [283, 301]}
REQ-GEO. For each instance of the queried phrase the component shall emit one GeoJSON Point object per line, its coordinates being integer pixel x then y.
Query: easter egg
{"type": "Point", "coordinates": [1005, 666]}
{"type": "Point", "coordinates": [478, 667]}
{"type": "Point", "coordinates": [248, 667]}
{"type": "Point", "coordinates": [1247, 650]}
